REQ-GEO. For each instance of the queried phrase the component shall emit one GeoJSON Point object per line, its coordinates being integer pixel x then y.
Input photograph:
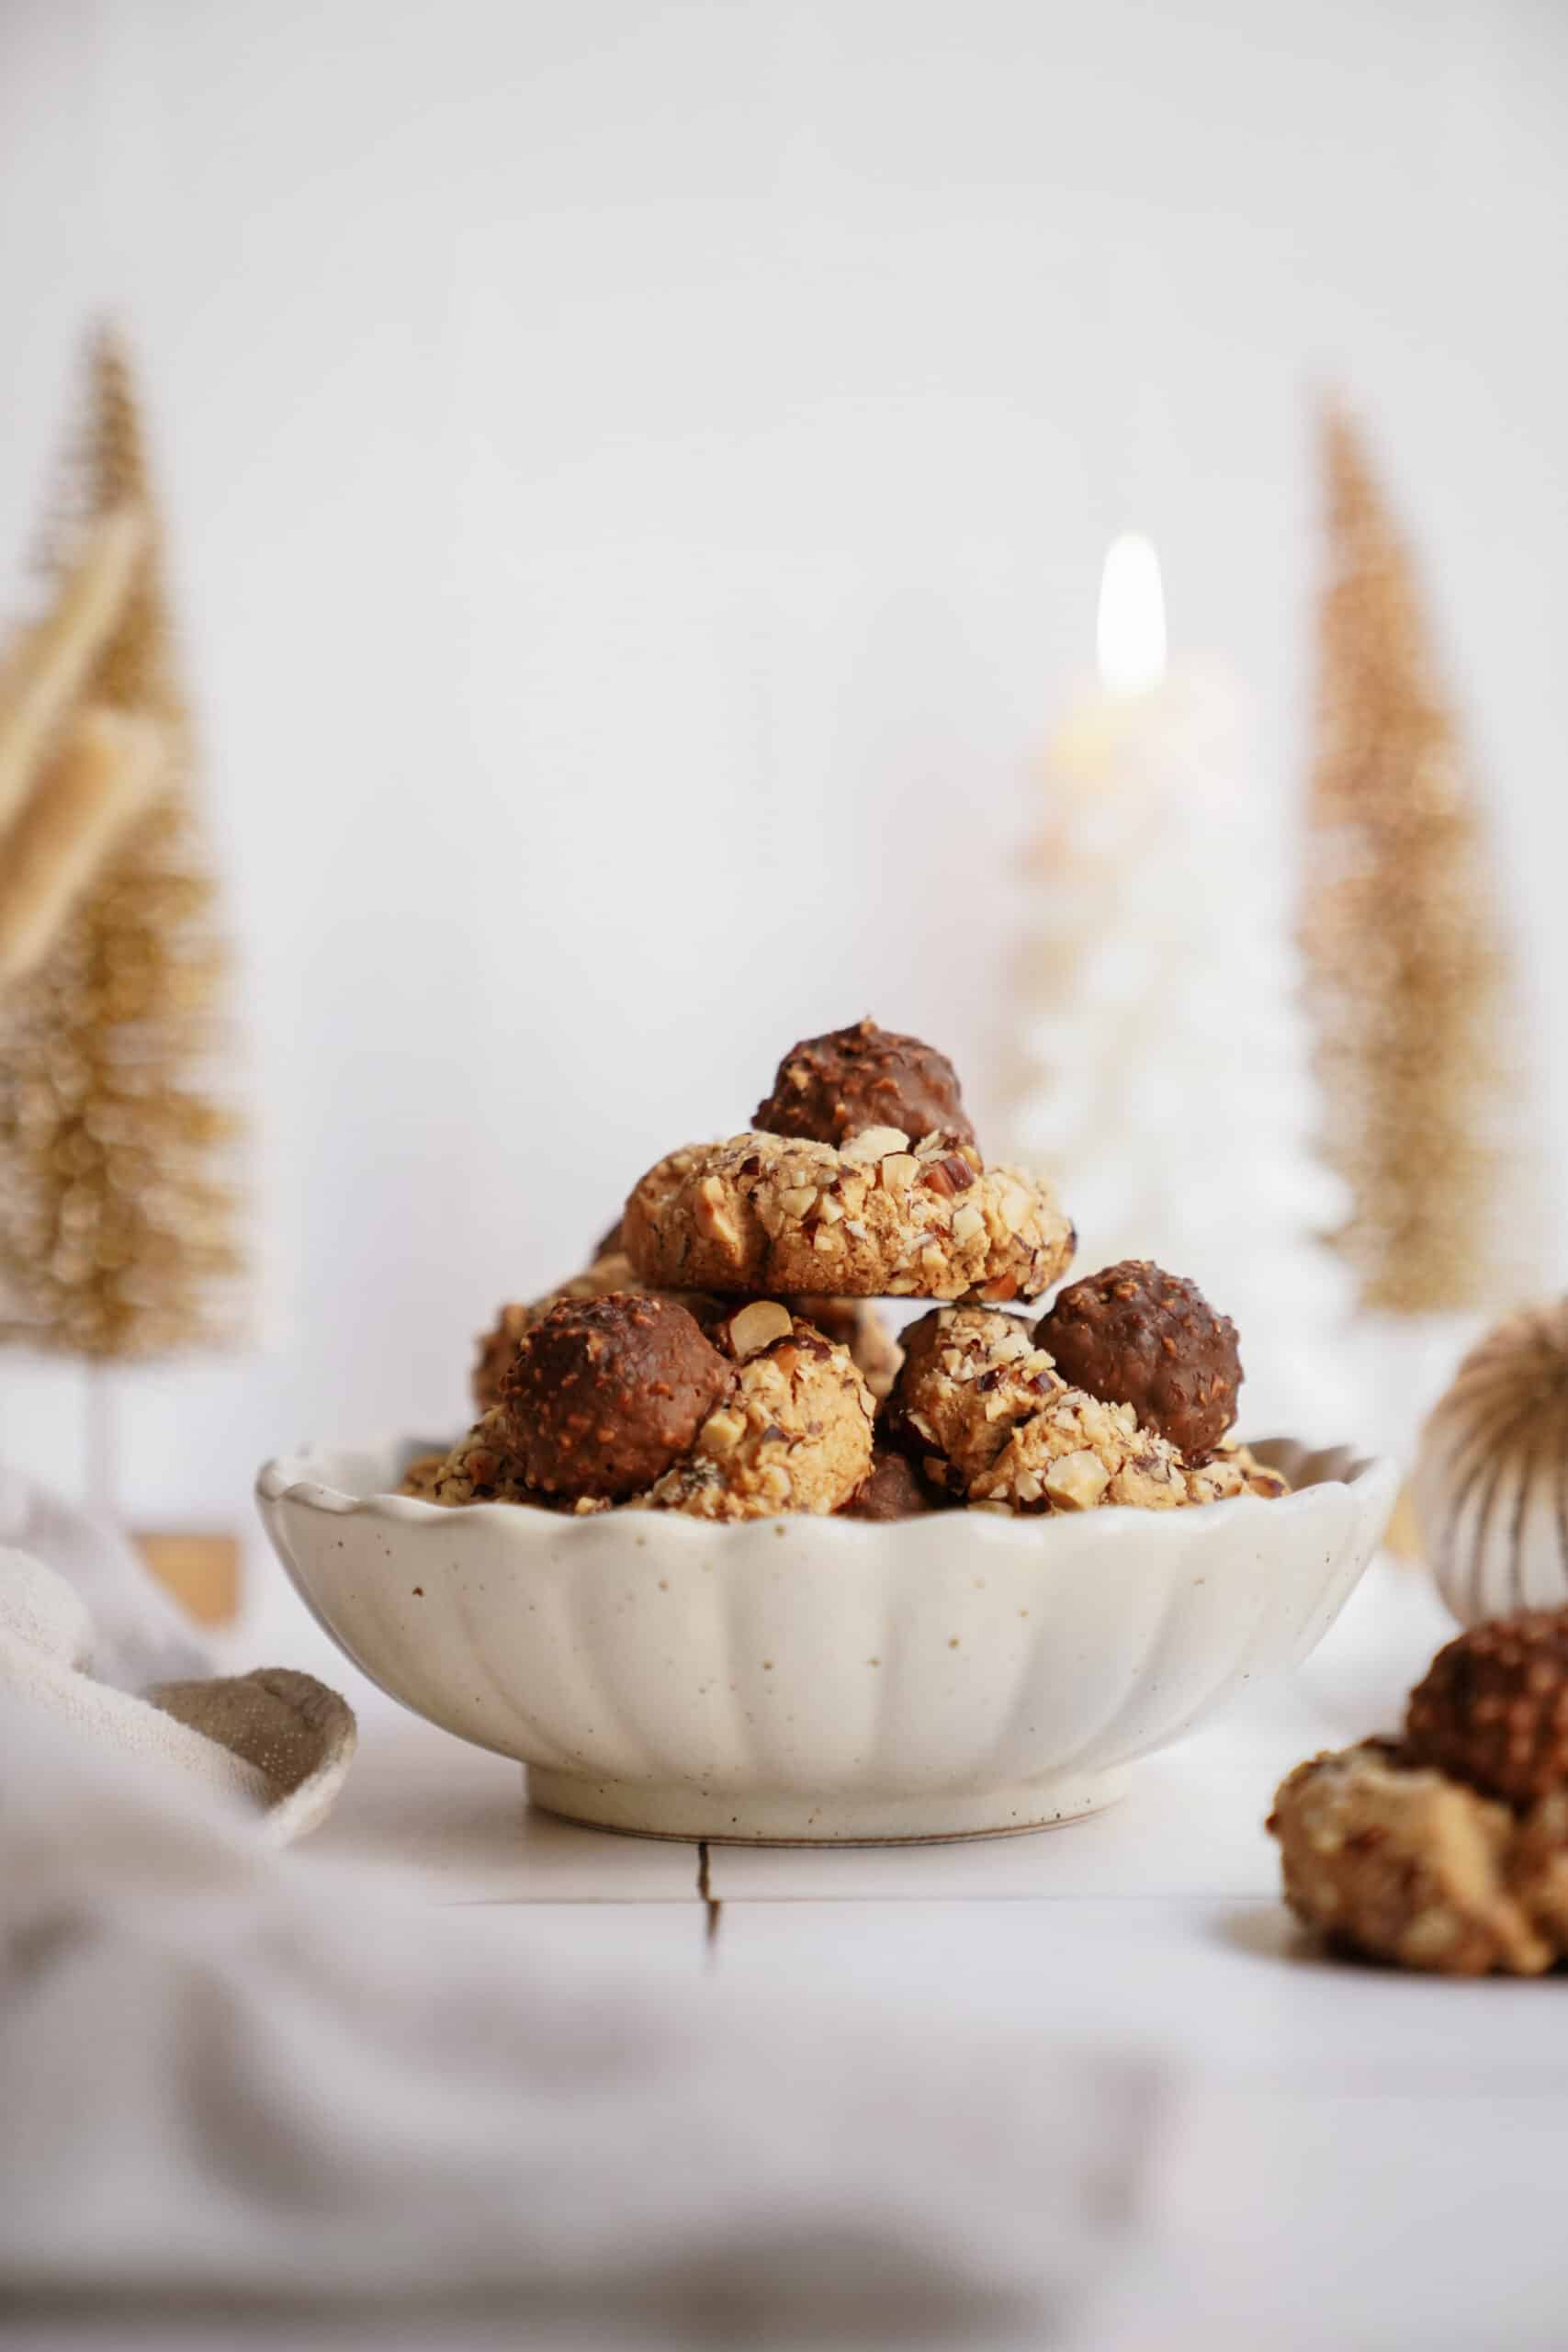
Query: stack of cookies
{"type": "Point", "coordinates": [722, 1355]}
{"type": "Point", "coordinates": [1446, 1848]}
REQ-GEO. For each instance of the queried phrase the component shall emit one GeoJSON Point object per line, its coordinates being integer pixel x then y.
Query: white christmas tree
{"type": "Point", "coordinates": [1161, 1071]}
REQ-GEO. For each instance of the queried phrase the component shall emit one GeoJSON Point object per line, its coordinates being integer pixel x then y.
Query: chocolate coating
{"type": "Point", "coordinates": [893, 1489]}
{"type": "Point", "coordinates": [831, 1088]}
{"type": "Point", "coordinates": [604, 1394]}
{"type": "Point", "coordinates": [1137, 1336]}
{"type": "Point", "coordinates": [1492, 1709]}
{"type": "Point", "coordinates": [608, 1243]}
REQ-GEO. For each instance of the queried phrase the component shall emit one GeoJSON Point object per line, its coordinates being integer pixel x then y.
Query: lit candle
{"type": "Point", "coordinates": [1145, 732]}
{"type": "Point", "coordinates": [1159, 1064]}
{"type": "Point", "coordinates": [1131, 633]}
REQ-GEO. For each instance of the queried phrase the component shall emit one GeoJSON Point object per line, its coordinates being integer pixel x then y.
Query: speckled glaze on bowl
{"type": "Point", "coordinates": [822, 1680]}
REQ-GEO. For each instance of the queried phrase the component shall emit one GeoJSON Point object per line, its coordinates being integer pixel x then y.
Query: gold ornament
{"type": "Point", "coordinates": [116, 1212]}
{"type": "Point", "coordinates": [1491, 1480]}
{"type": "Point", "coordinates": [1409, 974]}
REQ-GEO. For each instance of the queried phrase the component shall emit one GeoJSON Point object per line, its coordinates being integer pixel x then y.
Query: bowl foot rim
{"type": "Point", "coordinates": [693, 1815]}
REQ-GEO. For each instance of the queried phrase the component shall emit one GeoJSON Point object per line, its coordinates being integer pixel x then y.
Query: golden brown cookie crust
{"type": "Point", "coordinates": [422, 1476]}
{"type": "Point", "coordinates": [970, 1375]}
{"type": "Point", "coordinates": [1232, 1470]}
{"type": "Point", "coordinates": [1077, 1452]}
{"type": "Point", "coordinates": [857, 1325]}
{"type": "Point", "coordinates": [793, 1434]}
{"type": "Point", "coordinates": [1538, 1868]}
{"type": "Point", "coordinates": [479, 1469]}
{"type": "Point", "coordinates": [1403, 1864]}
{"type": "Point", "coordinates": [879, 1218]}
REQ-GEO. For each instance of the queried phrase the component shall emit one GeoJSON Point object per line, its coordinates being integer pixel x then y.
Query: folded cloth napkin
{"type": "Point", "coordinates": [139, 1635]}
{"type": "Point", "coordinates": [87, 1632]}
{"type": "Point", "coordinates": [262, 2079]}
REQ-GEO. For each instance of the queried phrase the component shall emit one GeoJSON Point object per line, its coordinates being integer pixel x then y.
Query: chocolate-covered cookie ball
{"type": "Point", "coordinates": [836, 1086]}
{"type": "Point", "coordinates": [893, 1489]}
{"type": "Point", "coordinates": [1492, 1709]}
{"type": "Point", "coordinates": [604, 1394]}
{"type": "Point", "coordinates": [1134, 1335]}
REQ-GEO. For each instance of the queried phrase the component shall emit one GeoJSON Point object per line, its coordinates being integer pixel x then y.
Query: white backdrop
{"type": "Point", "coordinates": [639, 476]}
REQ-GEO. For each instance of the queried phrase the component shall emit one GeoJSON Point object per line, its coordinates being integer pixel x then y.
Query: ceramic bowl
{"type": "Point", "coordinates": [808, 1681]}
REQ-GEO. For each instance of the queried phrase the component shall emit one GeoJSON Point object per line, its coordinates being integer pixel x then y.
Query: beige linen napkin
{"type": "Point", "coordinates": [261, 2079]}
{"type": "Point", "coordinates": [84, 1620]}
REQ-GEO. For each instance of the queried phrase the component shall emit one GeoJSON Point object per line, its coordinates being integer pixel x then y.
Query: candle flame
{"type": "Point", "coordinates": [1132, 617]}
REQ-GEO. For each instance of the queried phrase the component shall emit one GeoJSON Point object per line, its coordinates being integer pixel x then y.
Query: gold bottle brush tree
{"type": "Point", "coordinates": [1421, 1050]}
{"type": "Point", "coordinates": [119, 1212]}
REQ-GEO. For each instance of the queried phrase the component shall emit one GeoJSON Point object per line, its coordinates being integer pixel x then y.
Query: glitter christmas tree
{"type": "Point", "coordinates": [1410, 987]}
{"type": "Point", "coordinates": [116, 1212]}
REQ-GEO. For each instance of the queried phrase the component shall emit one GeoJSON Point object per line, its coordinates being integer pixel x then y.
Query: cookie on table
{"type": "Point", "coordinates": [854, 1324]}
{"type": "Point", "coordinates": [1492, 1709]}
{"type": "Point", "coordinates": [792, 1433]}
{"type": "Point", "coordinates": [1539, 1868]}
{"type": "Point", "coordinates": [1398, 1862]}
{"type": "Point", "coordinates": [880, 1216]}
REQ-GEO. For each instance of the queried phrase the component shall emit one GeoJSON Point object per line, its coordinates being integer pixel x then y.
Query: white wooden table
{"type": "Point", "coordinates": [1351, 2157]}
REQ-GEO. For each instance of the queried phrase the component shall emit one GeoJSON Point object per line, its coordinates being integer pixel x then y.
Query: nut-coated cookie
{"type": "Point", "coordinates": [1401, 1863]}
{"type": "Point", "coordinates": [480, 1468]}
{"type": "Point", "coordinates": [881, 1217]}
{"type": "Point", "coordinates": [981, 1406]}
{"type": "Point", "coordinates": [792, 1433]}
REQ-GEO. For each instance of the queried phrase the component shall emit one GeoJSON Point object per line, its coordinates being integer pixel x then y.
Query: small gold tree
{"type": "Point", "coordinates": [117, 1216]}
{"type": "Point", "coordinates": [1409, 974]}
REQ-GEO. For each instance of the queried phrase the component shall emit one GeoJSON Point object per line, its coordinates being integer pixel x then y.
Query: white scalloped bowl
{"type": "Point", "coordinates": [822, 1680]}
